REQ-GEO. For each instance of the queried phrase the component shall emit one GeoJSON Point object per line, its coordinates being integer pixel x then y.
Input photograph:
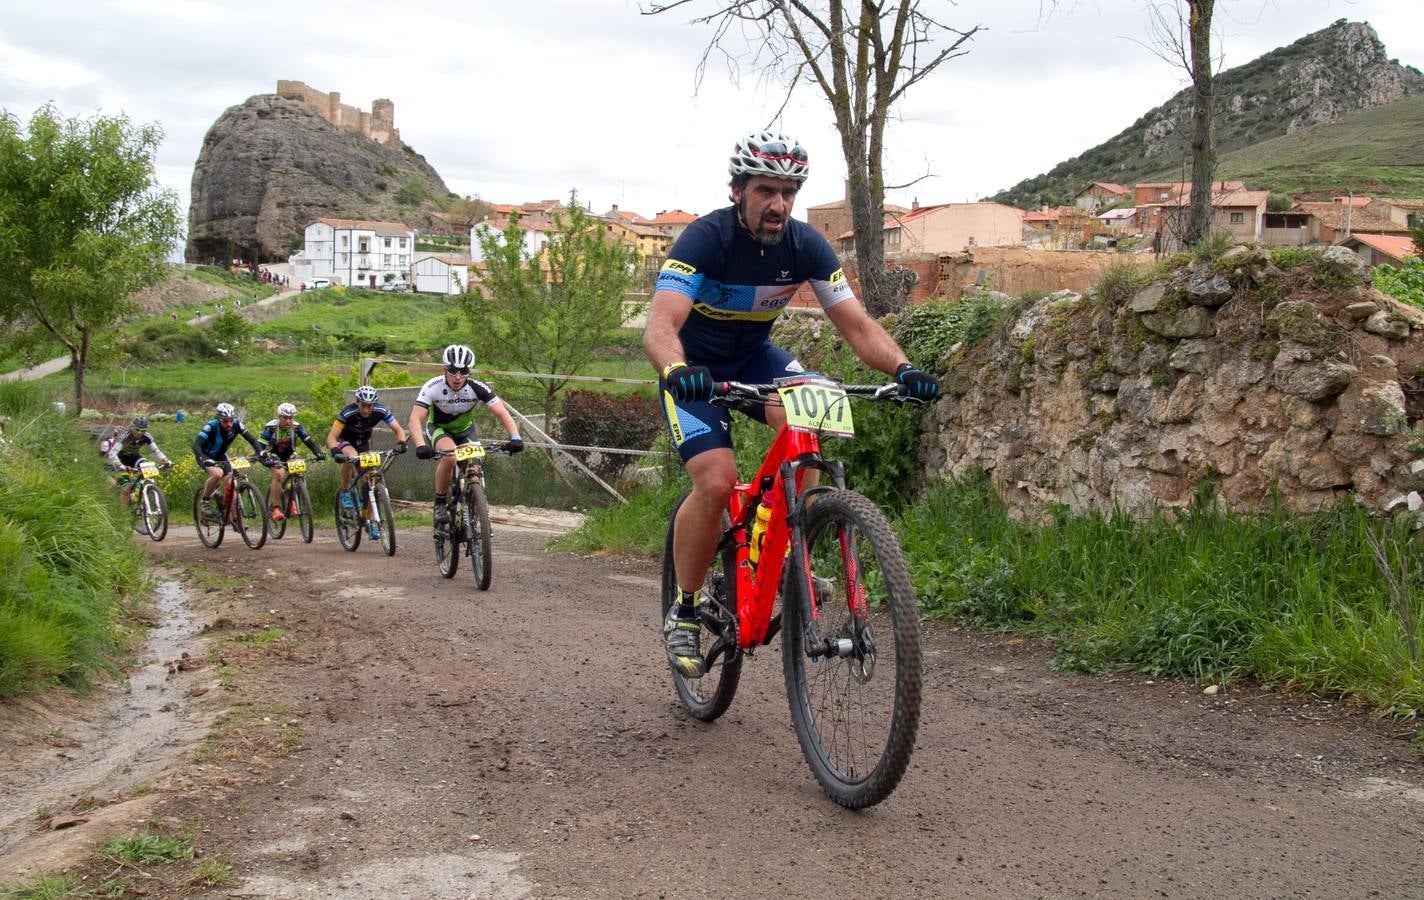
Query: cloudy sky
{"type": "Point", "coordinates": [514, 101]}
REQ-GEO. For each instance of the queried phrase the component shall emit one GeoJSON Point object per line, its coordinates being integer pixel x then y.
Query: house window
{"type": "Point", "coordinates": [388, 242]}
{"type": "Point", "coordinates": [1238, 218]}
{"type": "Point", "coordinates": [365, 246]}
{"type": "Point", "coordinates": [344, 239]}
{"type": "Point", "coordinates": [402, 243]}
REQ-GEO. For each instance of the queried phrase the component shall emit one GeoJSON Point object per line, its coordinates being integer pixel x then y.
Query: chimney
{"type": "Point", "coordinates": [915, 203]}
{"type": "Point", "coordinates": [615, 207]}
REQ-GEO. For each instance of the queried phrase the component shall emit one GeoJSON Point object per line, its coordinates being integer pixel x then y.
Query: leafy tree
{"type": "Point", "coordinates": [550, 310]}
{"type": "Point", "coordinates": [230, 331]}
{"type": "Point", "coordinates": [863, 57]}
{"type": "Point", "coordinates": [83, 225]}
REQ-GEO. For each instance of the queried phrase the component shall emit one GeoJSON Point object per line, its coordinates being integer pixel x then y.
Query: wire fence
{"type": "Point", "coordinates": [590, 439]}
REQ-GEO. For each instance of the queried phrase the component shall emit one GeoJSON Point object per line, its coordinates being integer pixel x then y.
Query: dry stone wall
{"type": "Point", "coordinates": [1300, 383]}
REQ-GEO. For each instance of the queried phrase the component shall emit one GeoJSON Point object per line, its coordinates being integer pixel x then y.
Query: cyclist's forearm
{"type": "Point", "coordinates": [503, 415]}
{"type": "Point", "coordinates": [871, 342]}
{"type": "Point", "coordinates": [660, 337]}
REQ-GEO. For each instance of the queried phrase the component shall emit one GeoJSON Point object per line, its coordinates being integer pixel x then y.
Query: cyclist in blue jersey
{"type": "Point", "coordinates": [210, 447]}
{"type": "Point", "coordinates": [350, 434]}
{"type": "Point", "coordinates": [726, 280]}
{"type": "Point", "coordinates": [279, 438]}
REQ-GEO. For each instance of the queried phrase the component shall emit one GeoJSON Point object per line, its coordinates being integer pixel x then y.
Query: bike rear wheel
{"type": "Point", "coordinates": [155, 511]}
{"type": "Point", "coordinates": [708, 697]}
{"type": "Point", "coordinates": [387, 522]}
{"type": "Point", "coordinates": [853, 671]}
{"type": "Point", "coordinates": [208, 524]}
{"type": "Point", "coordinates": [447, 539]}
{"type": "Point", "coordinates": [279, 526]}
{"type": "Point", "coordinates": [348, 524]}
{"type": "Point", "coordinates": [478, 535]}
{"type": "Point", "coordinates": [304, 510]}
{"type": "Point", "coordinates": [249, 516]}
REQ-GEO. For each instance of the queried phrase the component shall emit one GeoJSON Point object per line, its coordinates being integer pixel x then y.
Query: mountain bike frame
{"type": "Point", "coordinates": [780, 483]}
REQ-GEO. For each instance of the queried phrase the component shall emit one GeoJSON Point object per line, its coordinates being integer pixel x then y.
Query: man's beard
{"type": "Point", "coordinates": [763, 237]}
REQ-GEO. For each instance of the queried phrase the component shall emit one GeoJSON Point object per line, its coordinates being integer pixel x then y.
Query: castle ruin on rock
{"type": "Point", "coordinates": [377, 125]}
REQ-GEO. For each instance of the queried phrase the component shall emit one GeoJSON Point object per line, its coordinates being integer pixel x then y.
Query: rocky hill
{"type": "Point", "coordinates": [1320, 78]}
{"type": "Point", "coordinates": [271, 166]}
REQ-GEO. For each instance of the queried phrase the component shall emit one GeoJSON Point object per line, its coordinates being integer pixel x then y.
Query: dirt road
{"type": "Point", "coordinates": [406, 736]}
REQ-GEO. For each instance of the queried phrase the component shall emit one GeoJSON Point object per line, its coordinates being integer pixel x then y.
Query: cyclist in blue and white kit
{"type": "Point", "coordinates": [449, 401]}
{"type": "Point", "coordinates": [210, 447]}
{"type": "Point", "coordinates": [350, 436]}
{"type": "Point", "coordinates": [725, 282]}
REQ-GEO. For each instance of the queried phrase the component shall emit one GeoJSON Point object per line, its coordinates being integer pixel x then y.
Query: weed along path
{"type": "Point", "coordinates": [382, 732]}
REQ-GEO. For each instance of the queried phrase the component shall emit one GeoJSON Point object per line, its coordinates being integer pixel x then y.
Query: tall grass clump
{"type": "Point", "coordinates": [1116, 285]}
{"type": "Point", "coordinates": [1203, 593]}
{"type": "Point", "coordinates": [65, 548]}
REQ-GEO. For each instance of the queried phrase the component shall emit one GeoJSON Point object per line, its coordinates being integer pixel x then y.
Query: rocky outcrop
{"type": "Point", "coordinates": [271, 166]}
{"type": "Point", "coordinates": [1235, 377]}
{"type": "Point", "coordinates": [1319, 79]}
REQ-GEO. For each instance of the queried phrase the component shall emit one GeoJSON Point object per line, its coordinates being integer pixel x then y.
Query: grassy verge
{"type": "Point", "coordinates": [65, 547]}
{"type": "Point", "coordinates": [1205, 594]}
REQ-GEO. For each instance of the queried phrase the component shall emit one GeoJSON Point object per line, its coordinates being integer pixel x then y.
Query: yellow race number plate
{"type": "Point", "coordinates": [816, 405]}
{"type": "Point", "coordinates": [296, 466]}
{"type": "Point", "coordinates": [370, 460]}
{"type": "Point", "coordinates": [469, 451]}
{"type": "Point", "coordinates": [147, 469]}
{"type": "Point", "coordinates": [238, 464]}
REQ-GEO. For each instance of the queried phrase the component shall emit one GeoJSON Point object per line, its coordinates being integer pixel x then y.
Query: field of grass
{"type": "Point", "coordinates": [195, 385]}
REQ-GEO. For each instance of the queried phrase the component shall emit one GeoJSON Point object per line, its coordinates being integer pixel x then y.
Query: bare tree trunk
{"type": "Point", "coordinates": [78, 359]}
{"type": "Point", "coordinates": [1203, 141]}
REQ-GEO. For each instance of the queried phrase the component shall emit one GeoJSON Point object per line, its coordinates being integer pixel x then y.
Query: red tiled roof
{"type": "Point", "coordinates": [1351, 201]}
{"type": "Point", "coordinates": [1396, 245]}
{"type": "Point", "coordinates": [1222, 199]}
{"type": "Point", "coordinates": [674, 217]}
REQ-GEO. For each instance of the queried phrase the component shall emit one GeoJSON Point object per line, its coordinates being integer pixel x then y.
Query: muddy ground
{"type": "Point", "coordinates": [359, 727]}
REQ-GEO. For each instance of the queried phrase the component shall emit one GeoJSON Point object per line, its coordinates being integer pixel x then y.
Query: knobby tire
{"type": "Point", "coordinates": [348, 524]}
{"type": "Point", "coordinates": [155, 511]}
{"type": "Point", "coordinates": [304, 510]}
{"type": "Point", "coordinates": [209, 534]}
{"type": "Point", "coordinates": [249, 516]}
{"type": "Point", "coordinates": [478, 533]}
{"type": "Point", "coordinates": [707, 697]}
{"type": "Point", "coordinates": [834, 699]}
{"type": "Point", "coordinates": [387, 521]}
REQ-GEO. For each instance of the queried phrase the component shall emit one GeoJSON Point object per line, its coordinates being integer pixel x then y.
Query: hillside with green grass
{"type": "Point", "coordinates": [1322, 78]}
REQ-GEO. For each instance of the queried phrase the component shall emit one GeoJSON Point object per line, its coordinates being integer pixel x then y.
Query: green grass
{"type": "Point", "coordinates": [147, 848]}
{"type": "Point", "coordinates": [72, 568]}
{"type": "Point", "coordinates": [213, 872]}
{"type": "Point", "coordinates": [43, 887]}
{"type": "Point", "coordinates": [404, 323]}
{"type": "Point", "coordinates": [638, 528]}
{"type": "Point", "coordinates": [193, 385]}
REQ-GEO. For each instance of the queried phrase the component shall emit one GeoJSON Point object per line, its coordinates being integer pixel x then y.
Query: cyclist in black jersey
{"type": "Point", "coordinates": [279, 439]}
{"type": "Point", "coordinates": [127, 449]}
{"type": "Point", "coordinates": [350, 434]}
{"type": "Point", "coordinates": [210, 446]}
{"type": "Point", "coordinates": [726, 280]}
{"type": "Point", "coordinates": [449, 402]}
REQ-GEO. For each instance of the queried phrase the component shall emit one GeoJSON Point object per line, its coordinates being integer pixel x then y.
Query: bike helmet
{"type": "Point", "coordinates": [366, 394]}
{"type": "Point", "coordinates": [458, 356]}
{"type": "Point", "coordinates": [286, 409]}
{"type": "Point", "coordinates": [774, 155]}
{"type": "Point", "coordinates": [225, 411]}
{"type": "Point", "coordinates": [139, 423]}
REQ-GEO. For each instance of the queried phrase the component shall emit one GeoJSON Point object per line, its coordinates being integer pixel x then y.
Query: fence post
{"type": "Point", "coordinates": [543, 436]}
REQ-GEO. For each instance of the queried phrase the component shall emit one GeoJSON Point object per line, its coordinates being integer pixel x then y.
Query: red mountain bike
{"type": "Point", "coordinates": [851, 646]}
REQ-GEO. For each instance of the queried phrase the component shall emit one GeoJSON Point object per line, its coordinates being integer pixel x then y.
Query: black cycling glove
{"type": "Point", "coordinates": [919, 385]}
{"type": "Point", "coordinates": [515, 444]}
{"type": "Point", "coordinates": [425, 451]}
{"type": "Point", "coordinates": [400, 447]}
{"type": "Point", "coordinates": [688, 384]}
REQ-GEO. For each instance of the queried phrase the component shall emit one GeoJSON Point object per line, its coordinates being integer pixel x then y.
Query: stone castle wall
{"type": "Point", "coordinates": [377, 125]}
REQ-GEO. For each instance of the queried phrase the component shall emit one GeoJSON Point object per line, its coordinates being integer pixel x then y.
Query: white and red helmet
{"type": "Point", "coordinates": [767, 153]}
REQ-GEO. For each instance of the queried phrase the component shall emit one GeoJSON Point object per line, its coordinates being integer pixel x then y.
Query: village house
{"type": "Point", "coordinates": [946, 228]}
{"type": "Point", "coordinates": [440, 273]}
{"type": "Point", "coordinates": [1118, 221]}
{"type": "Point", "coordinates": [537, 231]}
{"type": "Point", "coordinates": [1239, 213]}
{"type": "Point", "coordinates": [1100, 194]}
{"type": "Point", "coordinates": [673, 222]}
{"type": "Point", "coordinates": [355, 252]}
{"type": "Point", "coordinates": [1153, 198]}
{"type": "Point", "coordinates": [1409, 213]}
{"type": "Point", "coordinates": [1333, 221]}
{"type": "Point", "coordinates": [1381, 249]}
{"type": "Point", "coordinates": [832, 220]}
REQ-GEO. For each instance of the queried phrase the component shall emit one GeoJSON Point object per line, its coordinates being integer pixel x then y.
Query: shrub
{"type": "Point", "coordinates": [1404, 283]}
{"type": "Point", "coordinates": [599, 419]}
{"type": "Point", "coordinates": [1117, 284]}
{"type": "Point", "coordinates": [1213, 246]}
{"type": "Point", "coordinates": [1293, 257]}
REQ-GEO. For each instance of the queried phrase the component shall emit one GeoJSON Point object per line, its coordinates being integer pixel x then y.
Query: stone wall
{"type": "Point", "coordinates": [1238, 376]}
{"type": "Point", "coordinates": [377, 125]}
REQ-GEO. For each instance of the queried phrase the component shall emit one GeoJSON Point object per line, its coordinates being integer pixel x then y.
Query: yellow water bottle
{"type": "Point", "coordinates": [763, 517]}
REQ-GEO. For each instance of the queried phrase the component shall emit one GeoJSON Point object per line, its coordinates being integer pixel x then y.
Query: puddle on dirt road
{"type": "Point", "coordinates": [111, 743]}
{"type": "Point", "coordinates": [487, 875]}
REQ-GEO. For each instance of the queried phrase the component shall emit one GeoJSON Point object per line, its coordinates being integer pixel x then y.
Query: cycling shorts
{"type": "Point", "coordinates": [221, 463]}
{"type": "Point", "coordinates": [699, 427]}
{"type": "Point", "coordinates": [363, 445]}
{"type": "Point", "coordinates": [460, 436]}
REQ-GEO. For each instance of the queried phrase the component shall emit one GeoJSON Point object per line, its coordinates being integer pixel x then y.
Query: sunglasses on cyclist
{"type": "Point", "coordinates": [777, 150]}
{"type": "Point", "coordinates": [458, 370]}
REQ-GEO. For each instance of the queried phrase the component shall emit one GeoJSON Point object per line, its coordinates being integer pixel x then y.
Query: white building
{"type": "Point", "coordinates": [356, 253]}
{"type": "Point", "coordinates": [536, 235]}
{"type": "Point", "coordinates": [441, 273]}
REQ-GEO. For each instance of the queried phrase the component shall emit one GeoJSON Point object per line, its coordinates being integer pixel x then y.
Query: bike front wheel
{"type": "Point", "coordinates": [155, 511]}
{"type": "Point", "coordinates": [478, 535]}
{"type": "Point", "coordinates": [853, 668]}
{"type": "Point", "coordinates": [387, 523]}
{"type": "Point", "coordinates": [348, 525]}
{"type": "Point", "coordinates": [447, 543]}
{"type": "Point", "coordinates": [304, 509]}
{"type": "Point", "coordinates": [209, 522]}
{"type": "Point", "coordinates": [249, 516]}
{"type": "Point", "coordinates": [708, 697]}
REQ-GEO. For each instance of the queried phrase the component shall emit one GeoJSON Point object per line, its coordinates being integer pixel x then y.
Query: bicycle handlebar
{"type": "Point", "coordinates": [490, 447]}
{"type": "Point", "coordinates": [731, 393]}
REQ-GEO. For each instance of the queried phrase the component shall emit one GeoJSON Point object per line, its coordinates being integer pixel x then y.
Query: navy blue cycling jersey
{"type": "Point", "coordinates": [357, 428]}
{"type": "Point", "coordinates": [738, 287]}
{"type": "Point", "coordinates": [212, 441]}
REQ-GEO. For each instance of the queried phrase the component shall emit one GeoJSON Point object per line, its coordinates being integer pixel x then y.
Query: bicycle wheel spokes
{"type": "Point", "coordinates": [304, 509]}
{"type": "Point", "coordinates": [250, 516]}
{"type": "Point", "coordinates": [708, 697]}
{"type": "Point", "coordinates": [853, 670]}
{"type": "Point", "coordinates": [207, 520]}
{"type": "Point", "coordinates": [155, 512]}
